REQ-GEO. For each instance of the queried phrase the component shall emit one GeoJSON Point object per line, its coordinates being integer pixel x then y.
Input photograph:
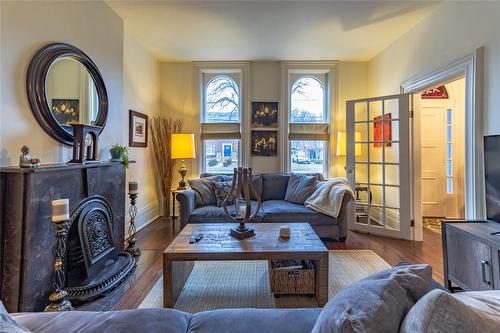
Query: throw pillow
{"type": "Point", "coordinates": [440, 311]}
{"type": "Point", "coordinates": [221, 190]}
{"type": "Point", "coordinates": [9, 325]}
{"type": "Point", "coordinates": [204, 191]}
{"type": "Point", "coordinates": [378, 303]}
{"type": "Point", "coordinates": [300, 188]}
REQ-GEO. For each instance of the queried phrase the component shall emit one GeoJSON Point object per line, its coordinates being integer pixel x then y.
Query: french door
{"type": "Point", "coordinates": [378, 163]}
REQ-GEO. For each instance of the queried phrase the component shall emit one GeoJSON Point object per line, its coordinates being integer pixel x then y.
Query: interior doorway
{"type": "Point", "coordinates": [441, 114]}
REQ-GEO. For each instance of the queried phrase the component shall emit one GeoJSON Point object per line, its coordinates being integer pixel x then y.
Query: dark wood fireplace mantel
{"type": "Point", "coordinates": [26, 230]}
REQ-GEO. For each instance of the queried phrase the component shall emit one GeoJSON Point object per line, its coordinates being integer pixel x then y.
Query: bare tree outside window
{"type": "Point", "coordinates": [307, 101]}
{"type": "Point", "coordinates": [222, 100]}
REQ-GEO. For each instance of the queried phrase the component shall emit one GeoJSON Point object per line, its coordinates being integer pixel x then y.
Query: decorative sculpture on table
{"type": "Point", "coordinates": [133, 192]}
{"type": "Point", "coordinates": [60, 217]}
{"type": "Point", "coordinates": [241, 190]}
{"type": "Point", "coordinates": [26, 161]}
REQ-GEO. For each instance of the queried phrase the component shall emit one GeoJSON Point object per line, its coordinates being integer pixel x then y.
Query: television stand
{"type": "Point", "coordinates": [471, 252]}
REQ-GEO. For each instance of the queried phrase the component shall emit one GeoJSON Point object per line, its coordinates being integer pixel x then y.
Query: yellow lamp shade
{"type": "Point", "coordinates": [342, 143]}
{"type": "Point", "coordinates": [182, 146]}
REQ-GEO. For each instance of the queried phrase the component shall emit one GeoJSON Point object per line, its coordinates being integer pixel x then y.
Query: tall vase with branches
{"type": "Point", "coordinates": [161, 131]}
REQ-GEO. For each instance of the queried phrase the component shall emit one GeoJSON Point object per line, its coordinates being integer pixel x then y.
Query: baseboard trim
{"type": "Point", "coordinates": [145, 216]}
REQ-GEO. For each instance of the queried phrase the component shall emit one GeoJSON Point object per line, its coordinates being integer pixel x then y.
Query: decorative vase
{"type": "Point", "coordinates": [242, 188]}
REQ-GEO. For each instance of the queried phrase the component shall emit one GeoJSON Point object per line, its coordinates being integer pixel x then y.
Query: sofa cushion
{"type": "Point", "coordinates": [213, 213]}
{"type": "Point", "coordinates": [275, 211]}
{"type": "Point", "coordinates": [254, 320]}
{"type": "Point", "coordinates": [300, 188]}
{"type": "Point", "coordinates": [204, 190]}
{"type": "Point", "coordinates": [377, 303]}
{"type": "Point", "coordinates": [132, 321]}
{"type": "Point", "coordinates": [274, 186]}
{"type": "Point", "coordinates": [9, 325]}
{"type": "Point", "coordinates": [222, 190]}
{"type": "Point", "coordinates": [440, 311]}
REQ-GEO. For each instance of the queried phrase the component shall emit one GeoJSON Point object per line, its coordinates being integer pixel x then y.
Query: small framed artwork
{"type": "Point", "coordinates": [138, 129]}
{"type": "Point", "coordinates": [264, 143]}
{"type": "Point", "coordinates": [265, 114]}
{"type": "Point", "coordinates": [377, 131]}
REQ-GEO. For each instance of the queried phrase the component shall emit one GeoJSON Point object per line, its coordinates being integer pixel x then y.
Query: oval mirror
{"type": "Point", "coordinates": [65, 87]}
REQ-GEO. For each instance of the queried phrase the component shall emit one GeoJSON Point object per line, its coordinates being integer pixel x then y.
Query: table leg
{"type": "Point", "coordinates": [173, 206]}
{"type": "Point", "coordinates": [175, 275]}
{"type": "Point", "coordinates": [321, 267]}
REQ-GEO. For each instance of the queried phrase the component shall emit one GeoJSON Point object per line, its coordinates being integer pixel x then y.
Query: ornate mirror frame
{"type": "Point", "coordinates": [35, 84]}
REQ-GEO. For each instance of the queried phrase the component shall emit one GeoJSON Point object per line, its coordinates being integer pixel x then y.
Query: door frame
{"type": "Point", "coordinates": [471, 68]}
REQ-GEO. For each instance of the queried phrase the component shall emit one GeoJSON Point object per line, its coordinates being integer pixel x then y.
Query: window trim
{"type": "Point", "coordinates": [201, 68]}
{"type": "Point", "coordinates": [288, 68]}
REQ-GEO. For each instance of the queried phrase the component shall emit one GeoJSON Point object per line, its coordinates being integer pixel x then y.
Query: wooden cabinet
{"type": "Point", "coordinates": [471, 255]}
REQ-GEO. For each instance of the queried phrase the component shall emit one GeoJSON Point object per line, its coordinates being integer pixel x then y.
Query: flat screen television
{"type": "Point", "coordinates": [492, 176]}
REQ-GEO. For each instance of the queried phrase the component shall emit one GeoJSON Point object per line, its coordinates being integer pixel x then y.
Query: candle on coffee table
{"type": "Point", "coordinates": [60, 210]}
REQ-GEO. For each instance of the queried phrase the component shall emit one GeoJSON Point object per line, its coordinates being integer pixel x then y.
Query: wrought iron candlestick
{"type": "Point", "coordinates": [240, 192]}
{"type": "Point", "coordinates": [58, 299]}
{"type": "Point", "coordinates": [132, 212]}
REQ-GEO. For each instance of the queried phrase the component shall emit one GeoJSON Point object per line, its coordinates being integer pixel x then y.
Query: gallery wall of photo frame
{"type": "Point", "coordinates": [264, 127]}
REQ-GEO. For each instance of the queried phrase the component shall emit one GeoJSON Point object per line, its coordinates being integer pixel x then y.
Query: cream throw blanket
{"type": "Point", "coordinates": [327, 198]}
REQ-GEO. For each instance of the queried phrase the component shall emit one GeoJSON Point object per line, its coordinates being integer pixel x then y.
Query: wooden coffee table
{"type": "Point", "coordinates": [216, 244]}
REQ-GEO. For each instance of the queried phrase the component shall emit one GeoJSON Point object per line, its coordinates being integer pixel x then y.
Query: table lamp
{"type": "Point", "coordinates": [182, 148]}
{"type": "Point", "coordinates": [342, 144]}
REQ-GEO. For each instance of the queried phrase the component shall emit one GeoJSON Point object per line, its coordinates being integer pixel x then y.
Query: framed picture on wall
{"type": "Point", "coordinates": [264, 143]}
{"type": "Point", "coordinates": [377, 130]}
{"type": "Point", "coordinates": [265, 114]}
{"type": "Point", "coordinates": [138, 129]}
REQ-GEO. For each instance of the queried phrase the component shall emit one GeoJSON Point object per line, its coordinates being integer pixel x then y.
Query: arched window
{"type": "Point", "coordinates": [307, 101]}
{"type": "Point", "coordinates": [222, 100]}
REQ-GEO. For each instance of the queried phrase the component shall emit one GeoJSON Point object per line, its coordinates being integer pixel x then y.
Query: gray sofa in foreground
{"type": "Point", "coordinates": [402, 299]}
{"type": "Point", "coordinates": [196, 208]}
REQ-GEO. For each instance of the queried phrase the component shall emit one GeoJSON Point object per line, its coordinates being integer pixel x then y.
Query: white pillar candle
{"type": "Point", "coordinates": [243, 211]}
{"type": "Point", "coordinates": [60, 210]}
{"type": "Point", "coordinates": [133, 187]}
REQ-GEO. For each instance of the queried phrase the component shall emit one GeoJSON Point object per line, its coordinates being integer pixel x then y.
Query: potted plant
{"type": "Point", "coordinates": [119, 153]}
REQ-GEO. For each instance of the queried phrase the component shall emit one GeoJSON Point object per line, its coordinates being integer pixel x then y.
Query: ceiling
{"type": "Point", "coordinates": [268, 30]}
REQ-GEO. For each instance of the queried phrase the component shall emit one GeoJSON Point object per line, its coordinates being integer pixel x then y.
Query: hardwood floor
{"type": "Point", "coordinates": [155, 237]}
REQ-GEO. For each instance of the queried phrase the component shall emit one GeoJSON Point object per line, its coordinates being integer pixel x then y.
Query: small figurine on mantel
{"type": "Point", "coordinates": [26, 161]}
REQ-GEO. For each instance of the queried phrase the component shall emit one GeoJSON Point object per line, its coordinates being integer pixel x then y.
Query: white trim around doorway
{"type": "Point", "coordinates": [470, 67]}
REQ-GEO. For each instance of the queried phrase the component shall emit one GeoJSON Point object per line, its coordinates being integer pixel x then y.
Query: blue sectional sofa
{"type": "Point", "coordinates": [195, 208]}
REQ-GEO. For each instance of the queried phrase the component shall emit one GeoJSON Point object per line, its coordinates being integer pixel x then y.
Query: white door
{"type": "Point", "coordinates": [378, 163]}
{"type": "Point", "coordinates": [432, 122]}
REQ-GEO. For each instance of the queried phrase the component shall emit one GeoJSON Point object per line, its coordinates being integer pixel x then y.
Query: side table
{"type": "Point", "coordinates": [174, 195]}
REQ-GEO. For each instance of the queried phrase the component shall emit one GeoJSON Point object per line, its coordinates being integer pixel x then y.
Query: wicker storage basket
{"type": "Point", "coordinates": [292, 281]}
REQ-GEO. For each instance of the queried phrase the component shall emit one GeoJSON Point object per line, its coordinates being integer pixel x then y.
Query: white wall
{"type": "Point", "coordinates": [452, 31]}
{"type": "Point", "coordinates": [177, 96]}
{"type": "Point", "coordinates": [142, 94]}
{"type": "Point", "coordinates": [26, 27]}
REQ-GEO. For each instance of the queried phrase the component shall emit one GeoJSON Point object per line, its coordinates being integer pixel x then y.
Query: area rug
{"type": "Point", "coordinates": [245, 284]}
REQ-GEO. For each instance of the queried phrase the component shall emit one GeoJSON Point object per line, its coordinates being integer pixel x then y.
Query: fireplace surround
{"type": "Point", "coordinates": [27, 234]}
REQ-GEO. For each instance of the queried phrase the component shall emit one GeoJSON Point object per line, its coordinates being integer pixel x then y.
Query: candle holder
{"type": "Point", "coordinates": [132, 212]}
{"type": "Point", "coordinates": [58, 299]}
{"type": "Point", "coordinates": [242, 186]}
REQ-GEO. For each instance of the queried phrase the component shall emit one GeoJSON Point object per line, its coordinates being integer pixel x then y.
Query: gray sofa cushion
{"type": "Point", "coordinates": [213, 213]}
{"type": "Point", "coordinates": [222, 190]}
{"type": "Point", "coordinates": [274, 186]}
{"type": "Point", "coordinates": [440, 311]}
{"type": "Point", "coordinates": [254, 320]}
{"type": "Point", "coordinates": [300, 188]}
{"type": "Point", "coordinates": [377, 303]}
{"type": "Point", "coordinates": [276, 211]}
{"type": "Point", "coordinates": [9, 325]}
{"type": "Point", "coordinates": [204, 190]}
{"type": "Point", "coordinates": [139, 320]}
